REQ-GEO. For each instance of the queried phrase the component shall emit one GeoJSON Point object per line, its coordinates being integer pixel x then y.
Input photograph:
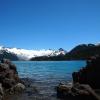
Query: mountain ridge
{"type": "Point", "coordinates": [79, 52]}
{"type": "Point", "coordinates": [24, 54]}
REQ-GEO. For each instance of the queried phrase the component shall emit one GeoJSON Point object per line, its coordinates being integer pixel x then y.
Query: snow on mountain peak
{"type": "Point", "coordinates": [28, 54]}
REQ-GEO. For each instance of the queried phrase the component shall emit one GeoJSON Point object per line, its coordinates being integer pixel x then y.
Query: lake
{"type": "Point", "coordinates": [48, 70]}
{"type": "Point", "coordinates": [48, 74]}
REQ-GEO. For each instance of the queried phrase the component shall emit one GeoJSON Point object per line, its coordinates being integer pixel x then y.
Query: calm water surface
{"type": "Point", "coordinates": [48, 74]}
{"type": "Point", "coordinates": [46, 69]}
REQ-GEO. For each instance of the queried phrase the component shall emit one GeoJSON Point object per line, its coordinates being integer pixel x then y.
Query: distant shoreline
{"type": "Point", "coordinates": [46, 60]}
{"type": "Point", "coordinates": [80, 52]}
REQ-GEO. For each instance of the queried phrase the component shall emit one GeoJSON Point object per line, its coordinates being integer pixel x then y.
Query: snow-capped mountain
{"type": "Point", "coordinates": [24, 54]}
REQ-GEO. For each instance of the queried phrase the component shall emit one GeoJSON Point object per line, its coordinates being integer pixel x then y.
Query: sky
{"type": "Point", "coordinates": [49, 24]}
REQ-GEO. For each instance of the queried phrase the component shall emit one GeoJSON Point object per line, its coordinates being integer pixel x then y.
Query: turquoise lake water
{"type": "Point", "coordinates": [44, 70]}
{"type": "Point", "coordinates": [48, 74]}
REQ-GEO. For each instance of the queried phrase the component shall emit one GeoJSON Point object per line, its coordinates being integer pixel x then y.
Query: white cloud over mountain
{"type": "Point", "coordinates": [28, 54]}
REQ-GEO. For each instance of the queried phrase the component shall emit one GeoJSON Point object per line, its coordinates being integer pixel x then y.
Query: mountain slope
{"type": "Point", "coordinates": [7, 55]}
{"type": "Point", "coordinates": [80, 52]}
{"type": "Point", "coordinates": [83, 51]}
{"type": "Point", "coordinates": [24, 54]}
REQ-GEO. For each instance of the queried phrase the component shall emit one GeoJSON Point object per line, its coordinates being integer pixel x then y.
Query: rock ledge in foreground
{"type": "Point", "coordinates": [9, 79]}
{"type": "Point", "coordinates": [85, 81]}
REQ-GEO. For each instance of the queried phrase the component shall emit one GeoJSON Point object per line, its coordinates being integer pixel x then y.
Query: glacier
{"type": "Point", "coordinates": [25, 54]}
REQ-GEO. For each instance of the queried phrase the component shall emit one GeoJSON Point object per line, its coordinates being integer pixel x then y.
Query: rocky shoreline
{"type": "Point", "coordinates": [10, 83]}
{"type": "Point", "coordinates": [31, 92]}
{"type": "Point", "coordinates": [12, 87]}
{"type": "Point", "coordinates": [86, 83]}
{"type": "Point", "coordinates": [85, 86]}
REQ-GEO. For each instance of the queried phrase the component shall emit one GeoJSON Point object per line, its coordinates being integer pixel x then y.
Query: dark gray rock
{"type": "Point", "coordinates": [80, 90]}
{"type": "Point", "coordinates": [76, 92]}
{"type": "Point", "coordinates": [1, 92]}
{"type": "Point", "coordinates": [19, 88]}
{"type": "Point", "coordinates": [4, 67]}
{"type": "Point", "coordinates": [6, 61]}
{"type": "Point", "coordinates": [8, 83]}
{"type": "Point", "coordinates": [89, 74]}
{"type": "Point", "coordinates": [9, 78]}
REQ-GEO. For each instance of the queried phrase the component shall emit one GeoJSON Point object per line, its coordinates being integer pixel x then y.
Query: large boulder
{"type": "Point", "coordinates": [7, 62]}
{"type": "Point", "coordinates": [63, 91]}
{"type": "Point", "coordinates": [76, 92]}
{"type": "Point", "coordinates": [9, 78]}
{"type": "Point", "coordinates": [86, 75]}
{"type": "Point", "coordinates": [19, 88]}
{"type": "Point", "coordinates": [89, 74]}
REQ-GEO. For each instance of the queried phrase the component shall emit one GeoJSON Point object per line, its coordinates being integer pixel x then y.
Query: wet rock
{"type": "Point", "coordinates": [19, 88]}
{"type": "Point", "coordinates": [1, 92]}
{"type": "Point", "coordinates": [63, 91]}
{"type": "Point", "coordinates": [76, 92]}
{"type": "Point", "coordinates": [32, 91]}
{"type": "Point", "coordinates": [27, 82]}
